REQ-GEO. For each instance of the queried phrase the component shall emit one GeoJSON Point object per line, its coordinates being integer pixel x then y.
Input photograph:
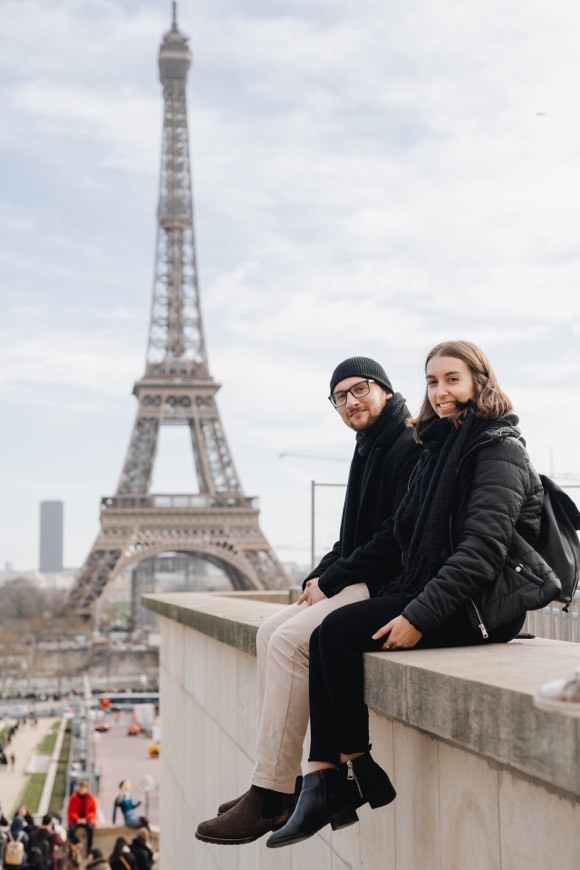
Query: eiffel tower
{"type": "Point", "coordinates": [219, 523]}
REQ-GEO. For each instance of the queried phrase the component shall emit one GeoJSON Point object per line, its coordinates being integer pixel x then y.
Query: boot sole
{"type": "Point", "coordinates": [240, 841]}
{"type": "Point", "coordinates": [343, 819]}
{"type": "Point", "coordinates": [340, 820]}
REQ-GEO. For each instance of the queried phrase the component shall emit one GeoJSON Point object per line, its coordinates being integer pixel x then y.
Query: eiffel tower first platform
{"type": "Point", "coordinates": [218, 523]}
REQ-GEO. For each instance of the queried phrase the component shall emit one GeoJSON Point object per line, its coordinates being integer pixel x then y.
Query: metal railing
{"type": "Point", "coordinates": [554, 623]}
{"type": "Point", "coordinates": [178, 501]}
{"type": "Point", "coordinates": [81, 760]}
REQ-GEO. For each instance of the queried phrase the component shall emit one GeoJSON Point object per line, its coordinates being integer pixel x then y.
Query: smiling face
{"type": "Point", "coordinates": [359, 414]}
{"type": "Point", "coordinates": [450, 385]}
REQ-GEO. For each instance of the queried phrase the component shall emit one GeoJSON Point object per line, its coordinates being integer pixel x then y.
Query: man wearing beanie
{"type": "Point", "coordinates": [363, 559]}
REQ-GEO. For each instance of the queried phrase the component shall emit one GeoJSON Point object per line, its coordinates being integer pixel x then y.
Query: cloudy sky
{"type": "Point", "coordinates": [369, 178]}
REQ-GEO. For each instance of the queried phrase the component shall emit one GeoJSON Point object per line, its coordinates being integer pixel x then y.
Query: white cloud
{"type": "Point", "coordinates": [102, 365]}
{"type": "Point", "coordinates": [116, 119]}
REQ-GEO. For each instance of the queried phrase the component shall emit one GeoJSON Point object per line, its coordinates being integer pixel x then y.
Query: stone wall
{"type": "Point", "coordinates": [484, 779]}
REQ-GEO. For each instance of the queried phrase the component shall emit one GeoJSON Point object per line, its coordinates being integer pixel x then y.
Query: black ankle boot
{"type": "Point", "coordinates": [368, 782]}
{"type": "Point", "coordinates": [325, 798]}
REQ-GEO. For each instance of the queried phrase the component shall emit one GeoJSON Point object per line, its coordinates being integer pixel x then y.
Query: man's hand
{"type": "Point", "coordinates": [312, 594]}
{"type": "Point", "coordinates": [400, 634]}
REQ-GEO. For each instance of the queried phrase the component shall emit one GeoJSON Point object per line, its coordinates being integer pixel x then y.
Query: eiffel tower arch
{"type": "Point", "coordinates": [218, 523]}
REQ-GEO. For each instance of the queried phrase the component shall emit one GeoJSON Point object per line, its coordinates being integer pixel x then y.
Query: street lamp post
{"type": "Point", "coordinates": [148, 783]}
{"type": "Point", "coordinates": [313, 486]}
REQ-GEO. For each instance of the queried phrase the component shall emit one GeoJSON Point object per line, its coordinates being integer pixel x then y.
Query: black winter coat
{"type": "Point", "coordinates": [121, 861]}
{"type": "Point", "coordinates": [491, 567]}
{"type": "Point", "coordinates": [367, 550]}
{"type": "Point", "coordinates": [142, 853]}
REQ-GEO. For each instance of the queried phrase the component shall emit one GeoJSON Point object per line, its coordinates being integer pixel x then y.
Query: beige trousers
{"type": "Point", "coordinates": [282, 649]}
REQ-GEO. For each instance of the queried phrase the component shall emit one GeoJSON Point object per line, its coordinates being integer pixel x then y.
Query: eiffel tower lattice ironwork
{"type": "Point", "coordinates": [219, 523]}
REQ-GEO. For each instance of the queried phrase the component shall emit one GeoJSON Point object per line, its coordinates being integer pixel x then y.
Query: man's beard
{"type": "Point", "coordinates": [368, 422]}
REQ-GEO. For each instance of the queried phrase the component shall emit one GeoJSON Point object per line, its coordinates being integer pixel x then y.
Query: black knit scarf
{"type": "Point", "coordinates": [388, 427]}
{"type": "Point", "coordinates": [422, 520]}
{"type": "Point", "coordinates": [383, 432]}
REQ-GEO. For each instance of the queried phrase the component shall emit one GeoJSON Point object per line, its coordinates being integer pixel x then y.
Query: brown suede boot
{"type": "Point", "coordinates": [258, 812]}
{"type": "Point", "coordinates": [224, 808]}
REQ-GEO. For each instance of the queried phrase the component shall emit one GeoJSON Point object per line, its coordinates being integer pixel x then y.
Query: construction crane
{"type": "Point", "coordinates": [316, 456]}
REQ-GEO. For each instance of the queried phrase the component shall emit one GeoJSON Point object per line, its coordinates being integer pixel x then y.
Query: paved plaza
{"type": "Point", "coordinates": [122, 757]}
{"type": "Point", "coordinates": [118, 757]}
{"type": "Point", "coordinates": [23, 745]}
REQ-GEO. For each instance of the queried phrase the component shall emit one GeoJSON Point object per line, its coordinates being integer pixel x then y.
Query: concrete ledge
{"type": "Point", "coordinates": [232, 618]}
{"type": "Point", "coordinates": [477, 698]}
{"type": "Point", "coordinates": [481, 699]}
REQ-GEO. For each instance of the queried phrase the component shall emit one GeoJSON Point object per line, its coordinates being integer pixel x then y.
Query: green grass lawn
{"type": "Point", "coordinates": [47, 744]}
{"type": "Point", "coordinates": [33, 791]}
{"type": "Point", "coordinates": [35, 784]}
{"type": "Point", "coordinates": [59, 787]}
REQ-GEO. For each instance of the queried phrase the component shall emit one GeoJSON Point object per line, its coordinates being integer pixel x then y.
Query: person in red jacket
{"type": "Point", "coordinates": [82, 812]}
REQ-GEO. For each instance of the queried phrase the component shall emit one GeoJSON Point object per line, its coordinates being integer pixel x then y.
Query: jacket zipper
{"type": "Point", "coordinates": [480, 622]}
{"type": "Point", "coordinates": [350, 774]}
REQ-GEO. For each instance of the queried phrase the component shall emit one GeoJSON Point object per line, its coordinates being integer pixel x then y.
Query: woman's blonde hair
{"type": "Point", "coordinates": [490, 401]}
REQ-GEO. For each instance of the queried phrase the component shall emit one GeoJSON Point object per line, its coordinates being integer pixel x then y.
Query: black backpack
{"type": "Point", "coordinates": [558, 543]}
{"type": "Point", "coordinates": [39, 853]}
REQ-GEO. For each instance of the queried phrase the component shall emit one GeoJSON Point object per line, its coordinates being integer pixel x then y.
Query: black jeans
{"type": "Point", "coordinates": [89, 828]}
{"type": "Point", "coordinates": [338, 714]}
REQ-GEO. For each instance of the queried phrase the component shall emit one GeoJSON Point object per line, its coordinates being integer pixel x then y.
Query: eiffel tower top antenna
{"type": "Point", "coordinates": [176, 342]}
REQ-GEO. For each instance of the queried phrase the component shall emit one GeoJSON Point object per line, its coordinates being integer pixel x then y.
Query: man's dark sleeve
{"type": "Point", "coordinates": [378, 560]}
{"type": "Point", "coordinates": [374, 563]}
{"type": "Point", "coordinates": [324, 563]}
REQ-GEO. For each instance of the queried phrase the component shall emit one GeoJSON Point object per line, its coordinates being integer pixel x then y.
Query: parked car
{"type": "Point", "coordinates": [102, 726]}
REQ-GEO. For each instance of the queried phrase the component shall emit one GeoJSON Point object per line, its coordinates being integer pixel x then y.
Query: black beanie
{"type": "Point", "coordinates": [362, 367]}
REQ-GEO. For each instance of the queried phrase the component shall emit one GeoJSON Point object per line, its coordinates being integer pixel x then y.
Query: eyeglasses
{"type": "Point", "coordinates": [359, 390]}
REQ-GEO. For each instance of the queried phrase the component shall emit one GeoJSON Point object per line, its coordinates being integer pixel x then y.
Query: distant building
{"type": "Point", "coordinates": [51, 536]}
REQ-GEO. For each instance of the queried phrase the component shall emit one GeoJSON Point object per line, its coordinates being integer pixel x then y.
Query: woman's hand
{"type": "Point", "coordinates": [401, 634]}
{"type": "Point", "coordinates": [312, 594]}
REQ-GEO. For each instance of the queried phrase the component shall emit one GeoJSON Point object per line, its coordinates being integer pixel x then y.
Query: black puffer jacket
{"type": "Point", "coordinates": [491, 567]}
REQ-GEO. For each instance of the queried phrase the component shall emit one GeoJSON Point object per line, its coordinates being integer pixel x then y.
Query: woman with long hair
{"type": "Point", "coordinates": [142, 849]}
{"type": "Point", "coordinates": [125, 803]}
{"type": "Point", "coordinates": [121, 858]}
{"type": "Point", "coordinates": [466, 529]}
